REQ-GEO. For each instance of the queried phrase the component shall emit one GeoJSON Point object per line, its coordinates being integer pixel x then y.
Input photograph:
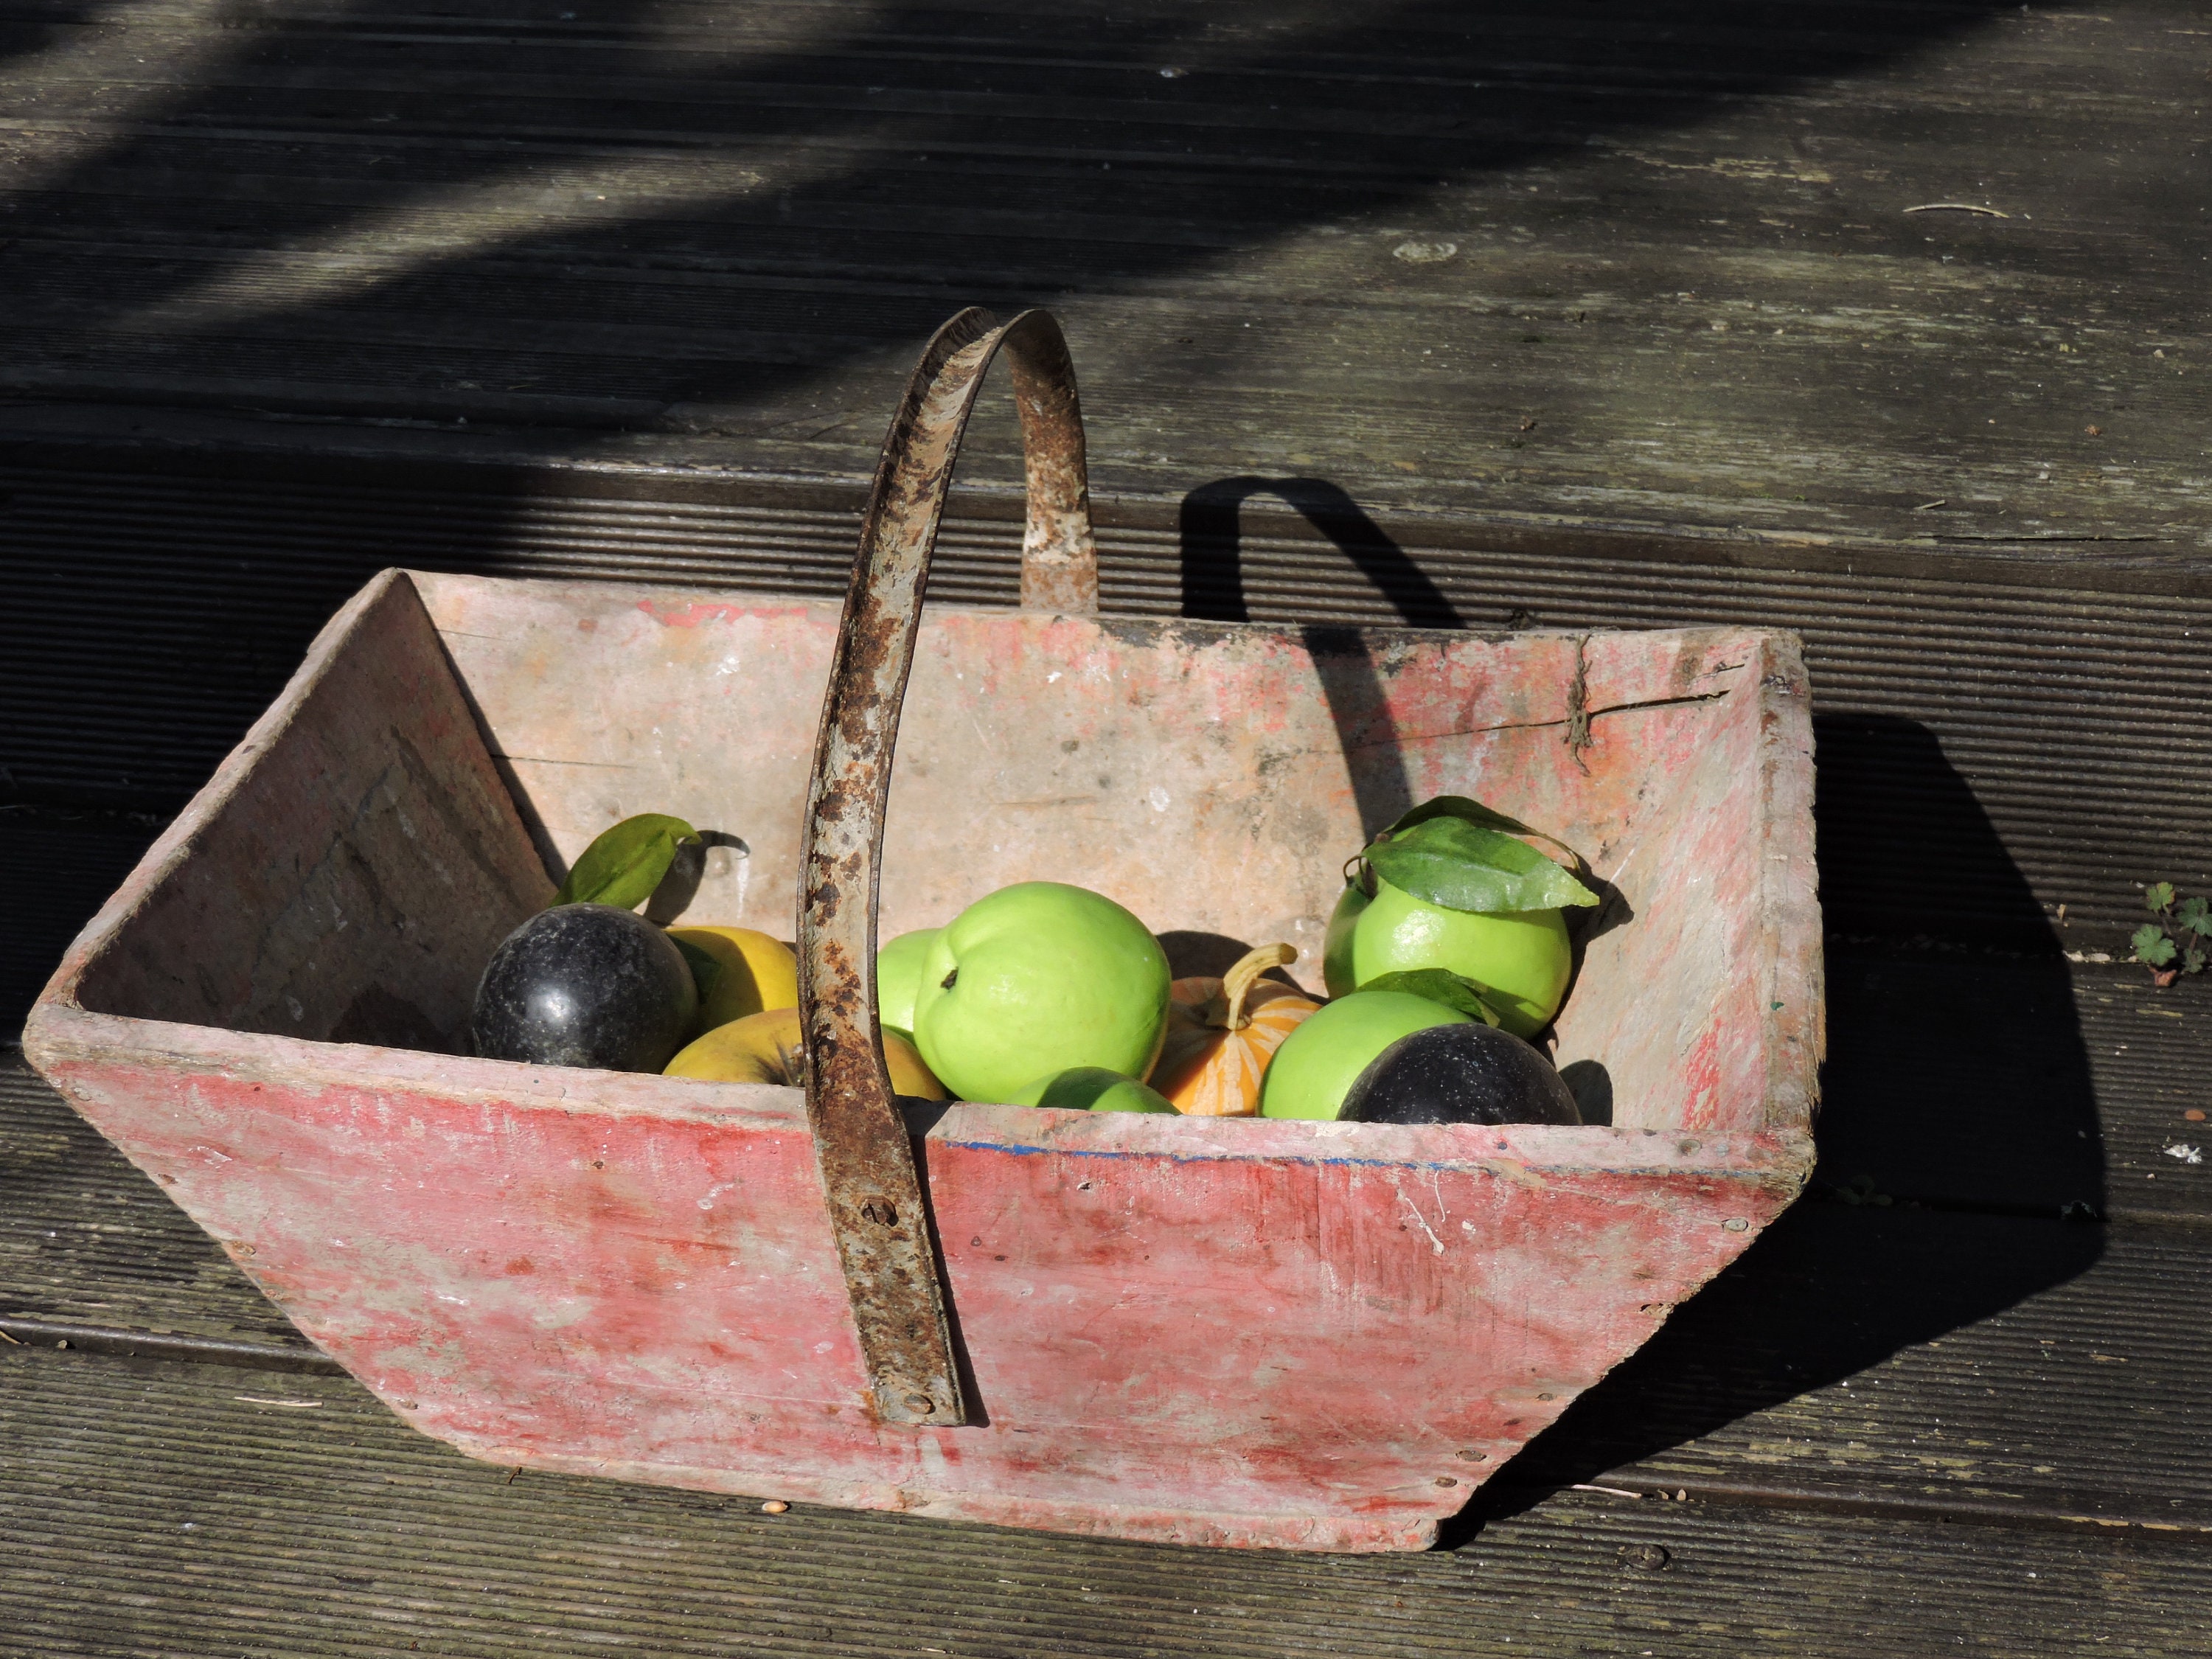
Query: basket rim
{"type": "Point", "coordinates": [62, 1034]}
{"type": "Point", "coordinates": [66, 1043]}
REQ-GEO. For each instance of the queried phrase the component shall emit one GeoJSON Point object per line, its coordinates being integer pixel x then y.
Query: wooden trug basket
{"type": "Point", "coordinates": [1233, 1332]}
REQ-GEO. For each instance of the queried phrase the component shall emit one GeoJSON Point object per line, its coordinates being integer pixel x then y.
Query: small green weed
{"type": "Point", "coordinates": [2173, 943]}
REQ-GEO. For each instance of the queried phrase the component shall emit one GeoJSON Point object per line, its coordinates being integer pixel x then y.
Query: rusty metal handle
{"type": "Point", "coordinates": [876, 1210]}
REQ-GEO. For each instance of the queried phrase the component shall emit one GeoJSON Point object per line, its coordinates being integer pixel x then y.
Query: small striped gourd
{"type": "Point", "coordinates": [1222, 1033]}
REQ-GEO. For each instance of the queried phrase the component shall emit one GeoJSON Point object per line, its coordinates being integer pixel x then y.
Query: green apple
{"type": "Point", "coordinates": [1320, 1062]}
{"type": "Point", "coordinates": [1035, 979]}
{"type": "Point", "coordinates": [898, 977]}
{"type": "Point", "coordinates": [1091, 1089]}
{"type": "Point", "coordinates": [1520, 959]}
{"type": "Point", "coordinates": [1336, 946]}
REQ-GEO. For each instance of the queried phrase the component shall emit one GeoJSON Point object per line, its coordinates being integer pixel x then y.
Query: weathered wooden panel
{"type": "Point", "coordinates": [1660, 269]}
{"type": "Point", "coordinates": [1896, 1359]}
{"type": "Point", "coordinates": [1277, 1336]}
{"type": "Point", "coordinates": [1213, 779]}
{"type": "Point", "coordinates": [172, 1508]}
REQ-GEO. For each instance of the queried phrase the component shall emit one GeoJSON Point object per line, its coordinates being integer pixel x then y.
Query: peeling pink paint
{"type": "Point", "coordinates": [699, 613]}
{"type": "Point", "coordinates": [1248, 1332]}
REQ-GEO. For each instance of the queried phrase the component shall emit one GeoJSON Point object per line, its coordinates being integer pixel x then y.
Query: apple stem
{"type": "Point", "coordinates": [1238, 982]}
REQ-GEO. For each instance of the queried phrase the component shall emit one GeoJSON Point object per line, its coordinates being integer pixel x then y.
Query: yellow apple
{"type": "Point", "coordinates": [767, 1048]}
{"type": "Point", "coordinates": [757, 973]}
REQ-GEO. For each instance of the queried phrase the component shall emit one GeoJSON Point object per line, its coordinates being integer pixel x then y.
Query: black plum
{"type": "Point", "coordinates": [586, 985]}
{"type": "Point", "coordinates": [1460, 1074]}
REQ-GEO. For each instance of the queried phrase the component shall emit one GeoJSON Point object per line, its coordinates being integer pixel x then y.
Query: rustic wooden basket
{"type": "Point", "coordinates": [1239, 1332]}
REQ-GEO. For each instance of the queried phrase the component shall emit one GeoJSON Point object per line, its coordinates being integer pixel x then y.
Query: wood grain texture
{"type": "Point", "coordinates": [176, 1509]}
{"type": "Point", "coordinates": [1658, 270]}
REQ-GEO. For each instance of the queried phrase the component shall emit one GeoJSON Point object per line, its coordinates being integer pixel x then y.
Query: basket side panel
{"type": "Point", "coordinates": [348, 870]}
{"type": "Point", "coordinates": [1333, 1347]}
{"type": "Point", "coordinates": [1212, 778]}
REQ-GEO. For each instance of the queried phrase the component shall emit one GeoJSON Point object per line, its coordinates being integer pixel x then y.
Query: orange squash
{"type": "Point", "coordinates": [1222, 1033]}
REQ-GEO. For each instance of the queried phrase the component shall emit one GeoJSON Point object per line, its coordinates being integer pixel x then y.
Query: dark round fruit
{"type": "Point", "coordinates": [586, 985]}
{"type": "Point", "coordinates": [1460, 1074]}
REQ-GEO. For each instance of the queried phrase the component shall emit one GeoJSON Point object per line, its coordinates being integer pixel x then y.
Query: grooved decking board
{"type": "Point", "coordinates": [1974, 1365]}
{"type": "Point", "coordinates": [1920, 1357]}
{"type": "Point", "coordinates": [2018, 1084]}
{"type": "Point", "coordinates": [1989, 748]}
{"type": "Point", "coordinates": [158, 1512]}
{"type": "Point", "coordinates": [87, 1240]}
{"type": "Point", "coordinates": [1371, 246]}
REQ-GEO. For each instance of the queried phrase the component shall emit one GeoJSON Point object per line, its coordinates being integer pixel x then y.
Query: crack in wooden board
{"type": "Point", "coordinates": [1969, 786]}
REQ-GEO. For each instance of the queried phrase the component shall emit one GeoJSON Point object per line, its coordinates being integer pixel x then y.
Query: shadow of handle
{"type": "Point", "coordinates": [1351, 681]}
{"type": "Point", "coordinates": [1211, 536]}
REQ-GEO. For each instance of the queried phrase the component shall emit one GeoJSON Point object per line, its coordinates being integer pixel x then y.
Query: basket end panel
{"type": "Point", "coordinates": [1794, 936]}
{"type": "Point", "coordinates": [1698, 979]}
{"type": "Point", "coordinates": [348, 870]}
{"type": "Point", "coordinates": [601, 701]}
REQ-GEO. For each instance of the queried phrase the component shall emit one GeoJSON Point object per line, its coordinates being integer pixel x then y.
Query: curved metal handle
{"type": "Point", "coordinates": [868, 1175]}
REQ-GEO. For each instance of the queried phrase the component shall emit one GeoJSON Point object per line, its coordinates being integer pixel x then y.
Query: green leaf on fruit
{"type": "Point", "coordinates": [2157, 895]}
{"type": "Point", "coordinates": [1472, 811]}
{"type": "Point", "coordinates": [1455, 863]}
{"type": "Point", "coordinates": [623, 865]}
{"type": "Point", "coordinates": [1439, 985]}
{"type": "Point", "coordinates": [706, 972]}
{"type": "Point", "coordinates": [2153, 947]}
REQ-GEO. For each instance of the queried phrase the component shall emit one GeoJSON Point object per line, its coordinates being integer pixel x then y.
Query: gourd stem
{"type": "Point", "coordinates": [1238, 982]}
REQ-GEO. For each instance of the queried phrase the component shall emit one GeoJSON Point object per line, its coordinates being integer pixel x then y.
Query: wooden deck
{"type": "Point", "coordinates": [1562, 314]}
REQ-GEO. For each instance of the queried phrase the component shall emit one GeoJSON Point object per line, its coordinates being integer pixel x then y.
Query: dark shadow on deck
{"type": "Point", "coordinates": [1961, 1165]}
{"type": "Point", "coordinates": [1961, 1169]}
{"type": "Point", "coordinates": [1210, 543]}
